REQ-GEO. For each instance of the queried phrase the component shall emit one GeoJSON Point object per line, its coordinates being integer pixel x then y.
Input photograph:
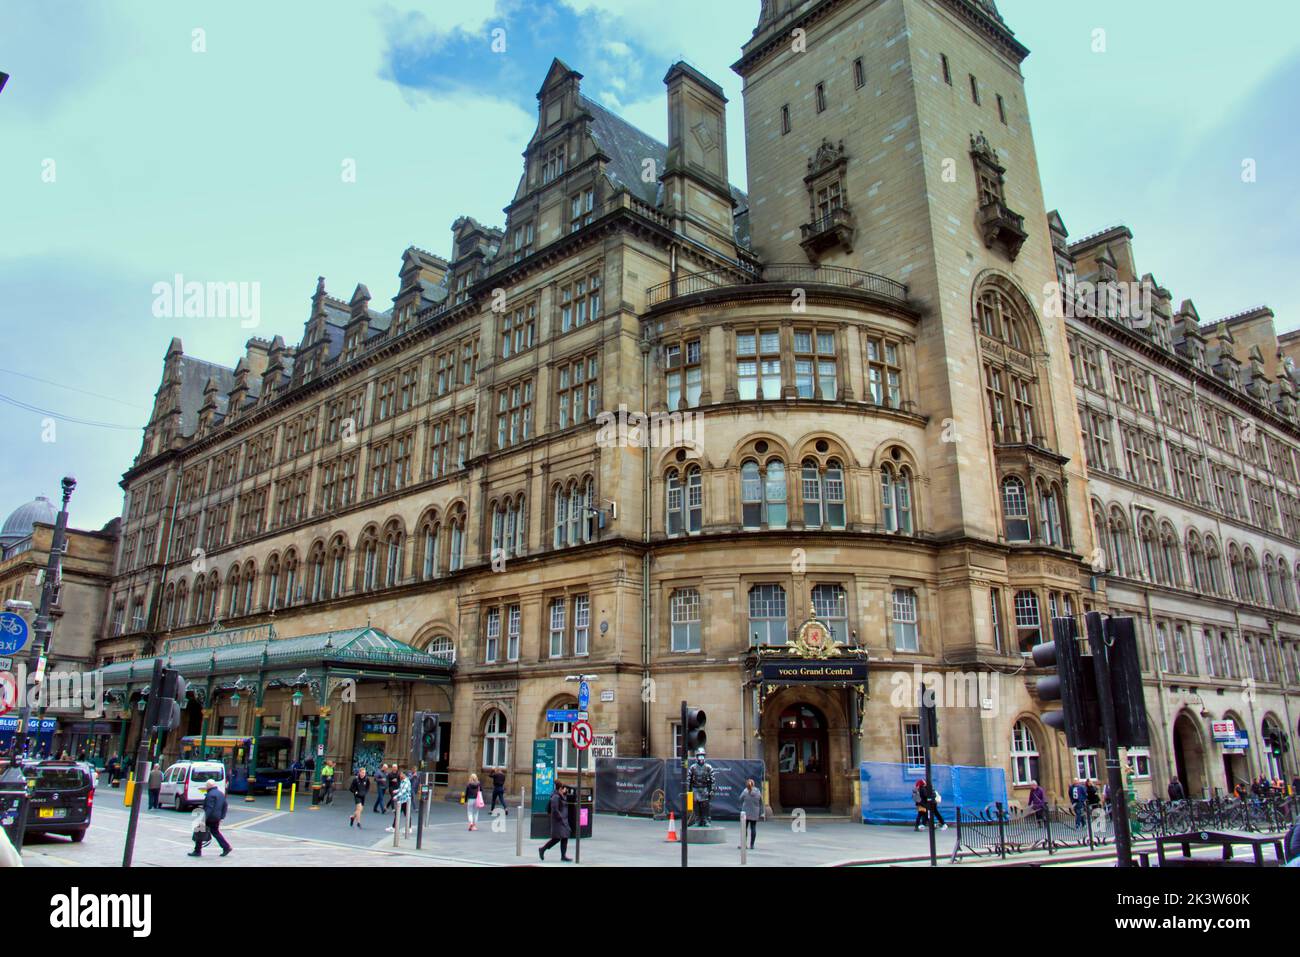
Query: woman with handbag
{"type": "Point", "coordinates": [473, 801]}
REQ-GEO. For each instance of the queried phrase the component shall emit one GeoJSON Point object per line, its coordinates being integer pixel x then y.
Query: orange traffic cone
{"type": "Point", "coordinates": [672, 828]}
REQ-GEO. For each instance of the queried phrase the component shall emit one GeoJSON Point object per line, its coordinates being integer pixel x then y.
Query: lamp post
{"type": "Point", "coordinates": [43, 628]}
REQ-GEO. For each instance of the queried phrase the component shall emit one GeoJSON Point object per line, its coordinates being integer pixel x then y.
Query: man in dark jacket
{"type": "Point", "coordinates": [155, 785]}
{"type": "Point", "coordinates": [381, 786]}
{"type": "Point", "coordinates": [1176, 790]}
{"type": "Point", "coordinates": [499, 790]}
{"type": "Point", "coordinates": [1079, 801]}
{"type": "Point", "coordinates": [560, 830]}
{"type": "Point", "coordinates": [214, 812]}
{"type": "Point", "coordinates": [360, 788]}
{"type": "Point", "coordinates": [394, 782]}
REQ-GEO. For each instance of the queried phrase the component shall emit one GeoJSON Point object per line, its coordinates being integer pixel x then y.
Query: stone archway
{"type": "Point", "coordinates": [802, 724]}
{"type": "Point", "coordinates": [1189, 756]}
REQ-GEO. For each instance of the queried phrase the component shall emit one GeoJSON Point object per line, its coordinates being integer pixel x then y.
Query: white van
{"type": "Point", "coordinates": [182, 783]}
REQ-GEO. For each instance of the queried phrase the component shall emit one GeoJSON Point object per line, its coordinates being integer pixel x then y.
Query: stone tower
{"type": "Point", "coordinates": [893, 137]}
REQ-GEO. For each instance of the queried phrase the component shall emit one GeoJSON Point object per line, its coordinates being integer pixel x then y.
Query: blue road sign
{"type": "Point", "coordinates": [561, 717]}
{"type": "Point", "coordinates": [584, 696]}
{"type": "Point", "coordinates": [13, 633]}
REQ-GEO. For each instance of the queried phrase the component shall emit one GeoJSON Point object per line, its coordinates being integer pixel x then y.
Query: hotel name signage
{"type": "Point", "coordinates": [814, 672]}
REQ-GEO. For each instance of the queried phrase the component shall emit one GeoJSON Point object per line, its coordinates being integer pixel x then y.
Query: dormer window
{"type": "Point", "coordinates": [523, 241]}
{"type": "Point", "coordinates": [580, 210]}
{"type": "Point", "coordinates": [350, 349]}
{"type": "Point", "coordinates": [553, 164]}
{"type": "Point", "coordinates": [462, 287]}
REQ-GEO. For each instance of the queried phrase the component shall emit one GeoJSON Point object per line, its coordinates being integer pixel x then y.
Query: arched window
{"type": "Point", "coordinates": [1171, 565]}
{"type": "Point", "coordinates": [823, 494]}
{"type": "Point", "coordinates": [1284, 584]}
{"type": "Point", "coordinates": [1024, 755]}
{"type": "Point", "coordinates": [763, 495]}
{"type": "Point", "coordinates": [1015, 509]}
{"type": "Point", "coordinates": [291, 578]}
{"type": "Point", "coordinates": [214, 588]}
{"type": "Point", "coordinates": [521, 527]}
{"type": "Point", "coordinates": [1147, 535]}
{"type": "Point", "coordinates": [1239, 588]}
{"type": "Point", "coordinates": [443, 647]}
{"type": "Point", "coordinates": [316, 562]}
{"type": "Point", "coordinates": [1099, 529]}
{"type": "Point", "coordinates": [589, 516]}
{"type": "Point", "coordinates": [1049, 515]}
{"type": "Point", "coordinates": [369, 572]}
{"type": "Point", "coordinates": [456, 560]}
{"type": "Point", "coordinates": [1214, 565]}
{"type": "Point", "coordinates": [182, 596]}
{"type": "Point", "coordinates": [896, 499]}
{"type": "Point", "coordinates": [1121, 544]}
{"type": "Point", "coordinates": [392, 554]}
{"type": "Point", "coordinates": [1196, 563]}
{"type": "Point", "coordinates": [197, 603]}
{"type": "Point", "coordinates": [561, 516]}
{"type": "Point", "coordinates": [169, 606]}
{"type": "Point", "coordinates": [273, 583]}
{"type": "Point", "coordinates": [684, 501]}
{"type": "Point", "coordinates": [430, 547]}
{"type": "Point", "coordinates": [496, 741]}
{"type": "Point", "coordinates": [1271, 581]}
{"type": "Point", "coordinates": [1004, 317]}
{"type": "Point", "coordinates": [576, 511]}
{"type": "Point", "coordinates": [250, 587]}
{"type": "Point", "coordinates": [338, 566]}
{"type": "Point", "coordinates": [1254, 586]}
{"type": "Point", "coordinates": [232, 592]}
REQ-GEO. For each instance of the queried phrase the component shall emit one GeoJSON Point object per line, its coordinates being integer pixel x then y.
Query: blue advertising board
{"type": "Point", "coordinates": [13, 633]}
{"type": "Point", "coordinates": [543, 774]}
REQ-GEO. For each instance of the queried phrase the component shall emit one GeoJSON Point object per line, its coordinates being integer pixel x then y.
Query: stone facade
{"type": "Point", "coordinates": [857, 365]}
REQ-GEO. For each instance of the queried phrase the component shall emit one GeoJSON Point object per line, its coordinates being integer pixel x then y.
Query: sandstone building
{"type": "Point", "coordinates": [871, 424]}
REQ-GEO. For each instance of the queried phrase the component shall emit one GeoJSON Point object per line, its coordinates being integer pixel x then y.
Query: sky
{"type": "Point", "coordinates": [268, 144]}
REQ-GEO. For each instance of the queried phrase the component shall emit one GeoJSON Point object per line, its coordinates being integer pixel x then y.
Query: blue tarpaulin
{"type": "Point", "coordinates": [887, 790]}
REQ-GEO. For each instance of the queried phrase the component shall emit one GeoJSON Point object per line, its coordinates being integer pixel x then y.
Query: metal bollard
{"type": "Point", "coordinates": [519, 826]}
{"type": "Point", "coordinates": [744, 840]}
{"type": "Point", "coordinates": [293, 795]}
{"type": "Point", "coordinates": [279, 793]}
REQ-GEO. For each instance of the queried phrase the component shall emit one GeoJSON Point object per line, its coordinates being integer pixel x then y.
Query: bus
{"type": "Point", "coordinates": [273, 759]}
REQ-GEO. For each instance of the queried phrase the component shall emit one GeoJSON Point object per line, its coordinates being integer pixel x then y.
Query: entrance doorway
{"type": "Point", "coordinates": [801, 758]}
{"type": "Point", "coordinates": [1189, 757]}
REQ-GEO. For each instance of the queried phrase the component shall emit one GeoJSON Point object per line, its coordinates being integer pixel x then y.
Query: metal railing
{"type": "Point", "coordinates": [840, 216]}
{"type": "Point", "coordinates": [997, 831]}
{"type": "Point", "coordinates": [687, 284]}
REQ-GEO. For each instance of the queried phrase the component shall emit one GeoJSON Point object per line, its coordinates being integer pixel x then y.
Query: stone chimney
{"type": "Point", "coordinates": [696, 188]}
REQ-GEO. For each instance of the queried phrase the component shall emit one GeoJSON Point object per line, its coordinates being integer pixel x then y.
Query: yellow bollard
{"type": "Point", "coordinates": [279, 793]}
{"type": "Point", "coordinates": [128, 795]}
{"type": "Point", "coordinates": [690, 801]}
{"type": "Point", "coordinates": [293, 793]}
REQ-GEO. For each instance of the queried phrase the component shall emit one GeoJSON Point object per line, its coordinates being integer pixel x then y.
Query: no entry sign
{"type": "Point", "coordinates": [581, 735]}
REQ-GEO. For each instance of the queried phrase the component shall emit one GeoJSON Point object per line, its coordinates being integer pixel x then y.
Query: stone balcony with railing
{"type": "Point", "coordinates": [835, 229]}
{"type": "Point", "coordinates": [741, 279]}
{"type": "Point", "coordinates": [1002, 227]}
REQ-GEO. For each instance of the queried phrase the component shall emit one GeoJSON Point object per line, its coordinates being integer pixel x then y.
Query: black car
{"type": "Point", "coordinates": [61, 798]}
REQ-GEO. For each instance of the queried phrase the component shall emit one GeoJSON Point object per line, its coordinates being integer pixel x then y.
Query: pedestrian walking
{"type": "Point", "coordinates": [1079, 801]}
{"type": "Point", "coordinates": [499, 790]}
{"type": "Point", "coordinates": [401, 802]}
{"type": "Point", "coordinates": [155, 786]}
{"type": "Point", "coordinates": [558, 810]}
{"type": "Point", "coordinates": [360, 788]}
{"type": "Point", "coordinates": [114, 768]}
{"type": "Point", "coordinates": [327, 782]}
{"type": "Point", "coordinates": [214, 812]}
{"type": "Point", "coordinates": [381, 788]}
{"type": "Point", "coordinates": [394, 779]}
{"type": "Point", "coordinates": [1038, 801]}
{"type": "Point", "coordinates": [473, 801]}
{"type": "Point", "coordinates": [751, 805]}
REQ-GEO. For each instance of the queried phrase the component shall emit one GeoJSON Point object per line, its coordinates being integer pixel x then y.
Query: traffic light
{"type": "Point", "coordinates": [693, 736]}
{"type": "Point", "coordinates": [1277, 742]}
{"type": "Point", "coordinates": [1074, 685]}
{"type": "Point", "coordinates": [1131, 727]}
{"type": "Point", "coordinates": [171, 700]}
{"type": "Point", "coordinates": [929, 718]}
{"type": "Point", "coordinates": [424, 739]}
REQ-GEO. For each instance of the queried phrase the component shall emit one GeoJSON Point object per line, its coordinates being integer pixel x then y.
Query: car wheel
{"type": "Point", "coordinates": [78, 836]}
